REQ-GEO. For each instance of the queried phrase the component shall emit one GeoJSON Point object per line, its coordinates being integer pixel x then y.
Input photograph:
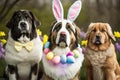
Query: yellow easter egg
{"type": "Point", "coordinates": [76, 53]}
{"type": "Point", "coordinates": [50, 56]}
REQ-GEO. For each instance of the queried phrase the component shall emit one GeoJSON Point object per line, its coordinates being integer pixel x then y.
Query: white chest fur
{"type": "Point", "coordinates": [62, 72]}
{"type": "Point", "coordinates": [23, 59]}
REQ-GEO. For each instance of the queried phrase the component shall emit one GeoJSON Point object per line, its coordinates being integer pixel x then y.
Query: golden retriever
{"type": "Point", "coordinates": [100, 56]}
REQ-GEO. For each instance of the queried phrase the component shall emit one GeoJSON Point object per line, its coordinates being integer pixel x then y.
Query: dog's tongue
{"type": "Point", "coordinates": [62, 44]}
{"type": "Point", "coordinates": [97, 42]}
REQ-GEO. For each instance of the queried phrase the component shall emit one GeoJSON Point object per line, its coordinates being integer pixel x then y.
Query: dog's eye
{"type": "Point", "coordinates": [94, 30]}
{"type": "Point", "coordinates": [68, 27]}
{"type": "Point", "coordinates": [102, 30]}
{"type": "Point", "coordinates": [58, 27]}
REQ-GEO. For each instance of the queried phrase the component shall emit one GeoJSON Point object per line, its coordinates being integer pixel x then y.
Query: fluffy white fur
{"type": "Point", "coordinates": [62, 72]}
{"type": "Point", "coordinates": [23, 59]}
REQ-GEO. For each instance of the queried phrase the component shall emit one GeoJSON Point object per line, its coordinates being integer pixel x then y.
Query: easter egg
{"type": "Point", "coordinates": [70, 59]}
{"type": "Point", "coordinates": [46, 50]}
{"type": "Point", "coordinates": [80, 50]}
{"type": "Point", "coordinates": [47, 45]}
{"type": "Point", "coordinates": [70, 54]}
{"type": "Point", "coordinates": [63, 59]}
{"type": "Point", "coordinates": [56, 60]}
{"type": "Point", "coordinates": [76, 53]}
{"type": "Point", "coordinates": [49, 56]}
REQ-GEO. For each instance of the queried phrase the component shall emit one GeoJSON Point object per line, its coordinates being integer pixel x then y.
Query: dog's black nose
{"type": "Point", "coordinates": [97, 37]}
{"type": "Point", "coordinates": [23, 25]}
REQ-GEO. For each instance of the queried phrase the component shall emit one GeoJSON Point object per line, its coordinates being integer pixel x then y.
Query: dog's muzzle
{"type": "Point", "coordinates": [62, 40]}
{"type": "Point", "coordinates": [24, 27]}
{"type": "Point", "coordinates": [98, 40]}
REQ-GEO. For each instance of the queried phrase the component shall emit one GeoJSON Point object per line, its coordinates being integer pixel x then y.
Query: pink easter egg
{"type": "Point", "coordinates": [56, 60]}
{"type": "Point", "coordinates": [80, 50]}
{"type": "Point", "coordinates": [46, 50]}
{"type": "Point", "coordinates": [70, 54]}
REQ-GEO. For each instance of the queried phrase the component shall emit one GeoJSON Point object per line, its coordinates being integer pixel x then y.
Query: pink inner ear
{"type": "Point", "coordinates": [74, 11]}
{"type": "Point", "coordinates": [57, 10]}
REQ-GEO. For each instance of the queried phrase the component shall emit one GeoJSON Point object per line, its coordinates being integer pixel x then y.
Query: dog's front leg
{"type": "Point", "coordinates": [89, 71]}
{"type": "Point", "coordinates": [34, 72]}
{"type": "Point", "coordinates": [108, 68]}
{"type": "Point", "coordinates": [109, 74]}
{"type": "Point", "coordinates": [12, 72]}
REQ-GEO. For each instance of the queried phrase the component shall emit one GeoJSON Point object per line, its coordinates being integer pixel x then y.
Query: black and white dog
{"type": "Point", "coordinates": [24, 47]}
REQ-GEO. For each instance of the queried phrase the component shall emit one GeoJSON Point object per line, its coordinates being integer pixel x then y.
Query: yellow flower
{"type": "Point", "coordinates": [117, 34]}
{"type": "Point", "coordinates": [39, 32]}
{"type": "Point", "coordinates": [2, 33]}
{"type": "Point", "coordinates": [84, 42]}
{"type": "Point", "coordinates": [45, 39]}
{"type": "Point", "coordinates": [3, 41]}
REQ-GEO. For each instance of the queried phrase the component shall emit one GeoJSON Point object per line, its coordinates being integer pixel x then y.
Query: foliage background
{"type": "Point", "coordinates": [92, 11]}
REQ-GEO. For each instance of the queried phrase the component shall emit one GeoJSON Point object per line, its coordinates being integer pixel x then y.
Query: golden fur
{"type": "Point", "coordinates": [100, 59]}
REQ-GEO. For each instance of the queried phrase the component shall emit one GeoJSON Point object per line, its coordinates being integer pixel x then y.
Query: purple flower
{"type": "Point", "coordinates": [41, 38]}
{"type": "Point", "coordinates": [2, 51]}
{"type": "Point", "coordinates": [83, 35]}
{"type": "Point", "coordinates": [117, 46]}
{"type": "Point", "coordinates": [83, 49]}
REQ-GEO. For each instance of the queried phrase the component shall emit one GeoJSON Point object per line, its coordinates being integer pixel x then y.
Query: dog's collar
{"type": "Point", "coordinates": [28, 46]}
{"type": "Point", "coordinates": [67, 58]}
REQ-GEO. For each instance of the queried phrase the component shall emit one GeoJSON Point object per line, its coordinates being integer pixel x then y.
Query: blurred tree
{"type": "Point", "coordinates": [6, 6]}
{"type": "Point", "coordinates": [104, 11]}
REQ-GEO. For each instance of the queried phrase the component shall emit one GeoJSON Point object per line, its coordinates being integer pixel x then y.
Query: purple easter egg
{"type": "Point", "coordinates": [70, 54]}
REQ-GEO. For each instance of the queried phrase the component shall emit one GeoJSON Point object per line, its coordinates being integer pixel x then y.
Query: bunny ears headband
{"type": "Point", "coordinates": [73, 11]}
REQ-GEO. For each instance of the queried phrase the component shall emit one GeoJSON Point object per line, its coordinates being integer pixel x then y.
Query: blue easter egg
{"type": "Point", "coordinates": [63, 59]}
{"type": "Point", "coordinates": [47, 45]}
{"type": "Point", "coordinates": [70, 59]}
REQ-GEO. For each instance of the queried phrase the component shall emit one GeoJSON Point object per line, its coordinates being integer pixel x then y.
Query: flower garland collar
{"type": "Point", "coordinates": [67, 58]}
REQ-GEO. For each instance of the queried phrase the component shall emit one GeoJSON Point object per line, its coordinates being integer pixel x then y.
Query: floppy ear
{"type": "Point", "coordinates": [110, 31]}
{"type": "Point", "coordinates": [77, 34]}
{"type": "Point", "coordinates": [89, 30]}
{"type": "Point", "coordinates": [74, 10]}
{"type": "Point", "coordinates": [57, 9]}
{"type": "Point", "coordinates": [9, 24]}
{"type": "Point", "coordinates": [11, 21]}
{"type": "Point", "coordinates": [34, 19]}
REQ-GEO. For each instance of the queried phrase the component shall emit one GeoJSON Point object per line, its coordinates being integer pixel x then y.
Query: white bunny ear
{"type": "Point", "coordinates": [57, 9]}
{"type": "Point", "coordinates": [74, 10]}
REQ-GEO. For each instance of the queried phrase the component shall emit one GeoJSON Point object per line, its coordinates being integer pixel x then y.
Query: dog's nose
{"type": "Point", "coordinates": [97, 37]}
{"type": "Point", "coordinates": [23, 25]}
{"type": "Point", "coordinates": [63, 34]}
